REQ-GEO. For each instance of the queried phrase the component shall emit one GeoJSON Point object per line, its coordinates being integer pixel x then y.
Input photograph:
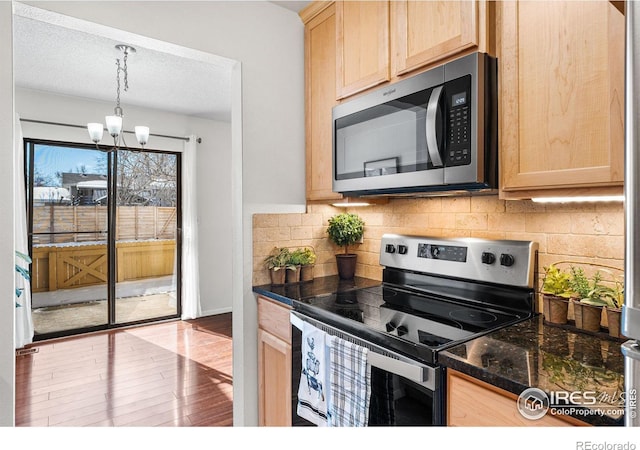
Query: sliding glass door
{"type": "Point", "coordinates": [103, 235]}
{"type": "Point", "coordinates": [146, 232]}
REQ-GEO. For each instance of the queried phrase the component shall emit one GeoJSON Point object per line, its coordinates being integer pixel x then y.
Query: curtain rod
{"type": "Point", "coordinates": [181, 138]}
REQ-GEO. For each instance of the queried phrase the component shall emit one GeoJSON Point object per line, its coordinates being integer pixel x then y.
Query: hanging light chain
{"type": "Point", "coordinates": [126, 73]}
{"type": "Point", "coordinates": [123, 68]}
{"type": "Point", "coordinates": [118, 84]}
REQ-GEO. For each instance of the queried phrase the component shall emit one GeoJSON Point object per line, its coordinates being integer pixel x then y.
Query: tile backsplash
{"type": "Point", "coordinates": [592, 232]}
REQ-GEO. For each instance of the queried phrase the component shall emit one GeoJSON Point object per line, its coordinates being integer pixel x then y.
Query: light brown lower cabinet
{"type": "Point", "coordinates": [474, 403]}
{"type": "Point", "coordinates": [274, 364]}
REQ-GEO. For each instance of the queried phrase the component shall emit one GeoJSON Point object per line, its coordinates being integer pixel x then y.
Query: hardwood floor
{"type": "Point", "coordinates": [172, 374]}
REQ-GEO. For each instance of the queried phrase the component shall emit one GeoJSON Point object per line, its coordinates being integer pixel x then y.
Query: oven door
{"type": "Point", "coordinates": [404, 392]}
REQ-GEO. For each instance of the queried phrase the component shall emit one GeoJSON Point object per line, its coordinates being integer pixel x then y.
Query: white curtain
{"type": "Point", "coordinates": [190, 268]}
{"type": "Point", "coordinates": [24, 323]}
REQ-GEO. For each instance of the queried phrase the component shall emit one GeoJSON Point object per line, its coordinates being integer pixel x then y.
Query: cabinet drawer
{"type": "Point", "coordinates": [274, 318]}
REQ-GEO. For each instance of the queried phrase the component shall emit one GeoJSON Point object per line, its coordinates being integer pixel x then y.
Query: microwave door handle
{"type": "Point", "coordinates": [432, 140]}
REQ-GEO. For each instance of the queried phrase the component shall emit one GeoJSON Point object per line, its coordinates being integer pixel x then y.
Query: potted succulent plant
{"type": "Point", "coordinates": [277, 262]}
{"type": "Point", "coordinates": [306, 257]}
{"type": "Point", "coordinates": [556, 291]}
{"type": "Point", "coordinates": [346, 229]}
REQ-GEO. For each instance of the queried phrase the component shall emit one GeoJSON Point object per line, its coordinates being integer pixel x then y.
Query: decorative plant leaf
{"type": "Point", "coordinates": [279, 258]}
{"type": "Point", "coordinates": [556, 282]}
{"type": "Point", "coordinates": [345, 229]}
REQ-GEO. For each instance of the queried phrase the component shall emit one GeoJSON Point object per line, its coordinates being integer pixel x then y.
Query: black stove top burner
{"type": "Point", "coordinates": [473, 316]}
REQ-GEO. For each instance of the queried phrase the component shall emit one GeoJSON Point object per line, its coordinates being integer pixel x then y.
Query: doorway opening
{"type": "Point", "coordinates": [104, 236]}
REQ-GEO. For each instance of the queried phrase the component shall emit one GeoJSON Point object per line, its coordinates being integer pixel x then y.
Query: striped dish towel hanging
{"type": "Point", "coordinates": [350, 384]}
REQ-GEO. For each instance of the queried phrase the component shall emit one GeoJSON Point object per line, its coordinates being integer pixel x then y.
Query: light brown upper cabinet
{"type": "Point", "coordinates": [425, 32]}
{"type": "Point", "coordinates": [320, 97]}
{"type": "Point", "coordinates": [362, 45]}
{"type": "Point", "coordinates": [379, 41]}
{"type": "Point", "coordinates": [561, 98]}
{"type": "Point", "coordinates": [347, 51]}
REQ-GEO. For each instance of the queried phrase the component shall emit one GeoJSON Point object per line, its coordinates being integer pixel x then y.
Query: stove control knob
{"type": "Point", "coordinates": [402, 249]}
{"type": "Point", "coordinates": [488, 258]}
{"type": "Point", "coordinates": [390, 326]}
{"type": "Point", "coordinates": [402, 330]}
{"type": "Point", "coordinates": [506, 259]}
{"type": "Point", "coordinates": [390, 248]}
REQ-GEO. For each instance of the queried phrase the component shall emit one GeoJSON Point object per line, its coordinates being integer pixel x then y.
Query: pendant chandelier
{"type": "Point", "coordinates": [114, 122]}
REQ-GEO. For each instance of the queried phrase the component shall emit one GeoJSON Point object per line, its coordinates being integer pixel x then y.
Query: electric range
{"type": "Point", "coordinates": [436, 293]}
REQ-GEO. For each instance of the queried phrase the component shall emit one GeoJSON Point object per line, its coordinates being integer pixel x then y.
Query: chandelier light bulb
{"type": "Point", "coordinates": [95, 131]}
{"type": "Point", "coordinates": [142, 135]}
{"type": "Point", "coordinates": [114, 125]}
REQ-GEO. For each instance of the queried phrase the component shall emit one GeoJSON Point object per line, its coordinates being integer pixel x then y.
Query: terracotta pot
{"type": "Point", "coordinates": [613, 321]}
{"type": "Point", "coordinates": [346, 265]}
{"type": "Point", "coordinates": [555, 308]}
{"type": "Point", "coordinates": [293, 275]}
{"type": "Point", "coordinates": [587, 317]}
{"type": "Point", "coordinates": [277, 276]}
{"type": "Point", "coordinates": [306, 273]}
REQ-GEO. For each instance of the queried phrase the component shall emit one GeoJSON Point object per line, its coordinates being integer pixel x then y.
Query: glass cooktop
{"type": "Point", "coordinates": [411, 322]}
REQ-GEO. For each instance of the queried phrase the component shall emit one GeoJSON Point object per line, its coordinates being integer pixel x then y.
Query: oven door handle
{"type": "Point", "coordinates": [400, 368]}
{"type": "Point", "coordinates": [411, 371]}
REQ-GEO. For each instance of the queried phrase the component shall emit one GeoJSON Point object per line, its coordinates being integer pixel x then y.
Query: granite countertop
{"type": "Point", "coordinates": [318, 287]}
{"type": "Point", "coordinates": [528, 354]}
{"type": "Point", "coordinates": [552, 358]}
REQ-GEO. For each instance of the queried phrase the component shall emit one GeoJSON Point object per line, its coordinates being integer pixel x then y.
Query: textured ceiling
{"type": "Point", "coordinates": [63, 60]}
{"type": "Point", "coordinates": [67, 56]}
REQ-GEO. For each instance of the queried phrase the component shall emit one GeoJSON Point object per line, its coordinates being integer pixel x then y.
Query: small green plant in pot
{"type": "Point", "coordinates": [306, 257]}
{"type": "Point", "coordinates": [277, 262]}
{"type": "Point", "coordinates": [588, 310]}
{"type": "Point", "coordinates": [615, 301]}
{"type": "Point", "coordinates": [346, 229]}
{"type": "Point", "coordinates": [556, 291]}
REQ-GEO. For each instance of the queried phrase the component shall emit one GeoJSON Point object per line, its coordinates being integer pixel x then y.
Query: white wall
{"type": "Point", "coordinates": [7, 277]}
{"type": "Point", "coordinates": [213, 175]}
{"type": "Point", "coordinates": [268, 42]}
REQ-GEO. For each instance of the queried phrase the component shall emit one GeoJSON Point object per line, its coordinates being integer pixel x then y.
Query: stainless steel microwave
{"type": "Point", "coordinates": [434, 132]}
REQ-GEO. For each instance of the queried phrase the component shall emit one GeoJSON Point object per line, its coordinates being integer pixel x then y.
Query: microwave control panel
{"type": "Point", "coordinates": [459, 121]}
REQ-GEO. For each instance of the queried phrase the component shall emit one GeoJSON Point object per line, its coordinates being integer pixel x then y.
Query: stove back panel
{"type": "Point", "coordinates": [500, 262]}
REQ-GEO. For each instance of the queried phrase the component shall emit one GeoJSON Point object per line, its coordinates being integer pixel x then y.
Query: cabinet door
{"type": "Point", "coordinates": [561, 96]}
{"type": "Point", "coordinates": [320, 85]}
{"type": "Point", "coordinates": [362, 45]}
{"type": "Point", "coordinates": [274, 378]}
{"type": "Point", "coordinates": [425, 32]}
{"type": "Point", "coordinates": [473, 403]}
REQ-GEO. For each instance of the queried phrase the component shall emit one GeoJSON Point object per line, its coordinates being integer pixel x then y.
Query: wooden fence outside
{"type": "Point", "coordinates": [70, 265]}
{"type": "Point", "coordinates": [133, 222]}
